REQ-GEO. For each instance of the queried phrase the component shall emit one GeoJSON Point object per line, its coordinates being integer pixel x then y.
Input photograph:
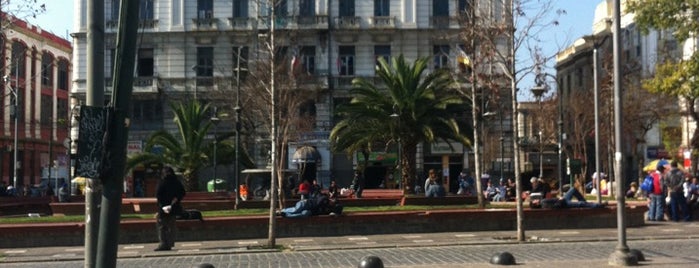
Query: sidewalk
{"type": "Point", "coordinates": [653, 231]}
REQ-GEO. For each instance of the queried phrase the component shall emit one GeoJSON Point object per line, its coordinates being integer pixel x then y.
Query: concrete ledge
{"type": "Point", "coordinates": [364, 223]}
{"type": "Point", "coordinates": [439, 201]}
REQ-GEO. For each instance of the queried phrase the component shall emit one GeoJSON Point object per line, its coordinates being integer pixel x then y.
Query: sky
{"type": "Point", "coordinates": [575, 23]}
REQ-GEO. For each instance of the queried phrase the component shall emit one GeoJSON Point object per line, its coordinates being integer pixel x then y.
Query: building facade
{"type": "Point", "coordinates": [639, 55]}
{"type": "Point", "coordinates": [194, 49]}
{"type": "Point", "coordinates": [34, 120]}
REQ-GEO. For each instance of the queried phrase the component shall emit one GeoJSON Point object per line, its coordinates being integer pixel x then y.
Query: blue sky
{"type": "Point", "coordinates": [576, 23]}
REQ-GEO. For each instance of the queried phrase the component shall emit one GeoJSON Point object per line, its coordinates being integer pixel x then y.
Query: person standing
{"type": "Point", "coordinates": [656, 203]}
{"type": "Point", "coordinates": [358, 184]}
{"type": "Point", "coordinates": [169, 196]}
{"type": "Point", "coordinates": [678, 203]}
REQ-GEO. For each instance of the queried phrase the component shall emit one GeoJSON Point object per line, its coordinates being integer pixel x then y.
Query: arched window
{"type": "Point", "coordinates": [18, 59]}
{"type": "Point", "coordinates": [63, 74]}
{"type": "Point", "coordinates": [46, 69]}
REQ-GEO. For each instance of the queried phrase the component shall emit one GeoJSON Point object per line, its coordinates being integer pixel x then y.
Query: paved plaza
{"type": "Point", "coordinates": [664, 245]}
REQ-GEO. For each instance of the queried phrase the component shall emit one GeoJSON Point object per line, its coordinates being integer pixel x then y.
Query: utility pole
{"type": "Point", "coordinates": [94, 97]}
{"type": "Point", "coordinates": [114, 159]}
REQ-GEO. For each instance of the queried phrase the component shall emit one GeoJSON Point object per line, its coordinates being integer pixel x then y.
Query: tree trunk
{"type": "Point", "coordinates": [407, 164]}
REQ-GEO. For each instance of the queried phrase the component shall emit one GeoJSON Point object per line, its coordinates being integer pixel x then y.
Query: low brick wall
{"type": "Point", "coordinates": [365, 223]}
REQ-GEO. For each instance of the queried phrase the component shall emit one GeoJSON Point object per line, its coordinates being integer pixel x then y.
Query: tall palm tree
{"type": "Point", "coordinates": [407, 106]}
{"type": "Point", "coordinates": [189, 150]}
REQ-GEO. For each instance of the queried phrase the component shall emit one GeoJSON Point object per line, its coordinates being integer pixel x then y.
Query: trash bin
{"type": "Point", "coordinates": [216, 185]}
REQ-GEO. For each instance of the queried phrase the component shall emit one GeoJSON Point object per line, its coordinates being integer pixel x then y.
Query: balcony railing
{"type": "Point", "coordinates": [205, 23]}
{"type": "Point", "coordinates": [348, 22]}
{"type": "Point", "coordinates": [383, 22]}
{"type": "Point", "coordinates": [316, 21]}
{"type": "Point", "coordinates": [241, 23]}
{"type": "Point", "coordinates": [143, 24]}
{"type": "Point", "coordinates": [441, 22]}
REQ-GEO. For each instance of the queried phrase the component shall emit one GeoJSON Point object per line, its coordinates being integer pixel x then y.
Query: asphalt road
{"type": "Point", "coordinates": [663, 244]}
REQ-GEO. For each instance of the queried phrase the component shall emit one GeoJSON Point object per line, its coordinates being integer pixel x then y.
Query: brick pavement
{"type": "Point", "coordinates": [401, 250]}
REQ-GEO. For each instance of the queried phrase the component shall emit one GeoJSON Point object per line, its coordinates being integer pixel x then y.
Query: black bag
{"type": "Point", "coordinates": [190, 214]}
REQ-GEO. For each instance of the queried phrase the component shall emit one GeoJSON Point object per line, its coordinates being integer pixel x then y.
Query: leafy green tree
{"type": "Point", "coordinates": [674, 77]}
{"type": "Point", "coordinates": [188, 151]}
{"type": "Point", "coordinates": [422, 102]}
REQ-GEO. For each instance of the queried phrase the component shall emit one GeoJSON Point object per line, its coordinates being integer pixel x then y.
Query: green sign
{"type": "Point", "coordinates": [384, 158]}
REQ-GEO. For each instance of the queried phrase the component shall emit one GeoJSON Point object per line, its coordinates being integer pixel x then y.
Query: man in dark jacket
{"type": "Point", "coordinates": [169, 195]}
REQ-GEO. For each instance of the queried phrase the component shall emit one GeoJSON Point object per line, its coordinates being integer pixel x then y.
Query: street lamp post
{"type": "Point", "coordinates": [238, 110]}
{"type": "Point", "coordinates": [538, 92]}
{"type": "Point", "coordinates": [215, 121]}
{"type": "Point", "coordinates": [621, 255]}
{"type": "Point", "coordinates": [14, 113]}
{"type": "Point", "coordinates": [396, 114]}
{"type": "Point", "coordinates": [595, 76]}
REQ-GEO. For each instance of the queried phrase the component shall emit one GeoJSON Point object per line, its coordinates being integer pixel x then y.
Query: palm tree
{"type": "Point", "coordinates": [422, 102]}
{"type": "Point", "coordinates": [190, 151]}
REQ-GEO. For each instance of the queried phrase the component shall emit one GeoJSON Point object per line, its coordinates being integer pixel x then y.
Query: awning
{"type": "Point", "coordinates": [306, 154]}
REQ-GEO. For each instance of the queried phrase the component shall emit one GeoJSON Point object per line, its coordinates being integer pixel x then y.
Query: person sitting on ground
{"type": "Point", "coordinates": [319, 205]}
{"type": "Point", "coordinates": [567, 201]}
{"type": "Point", "coordinates": [633, 188]}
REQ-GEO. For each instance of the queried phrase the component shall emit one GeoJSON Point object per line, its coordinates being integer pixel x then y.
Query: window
{"type": "Point", "coordinates": [63, 74]}
{"type": "Point", "coordinates": [115, 10]}
{"type": "Point", "coordinates": [440, 8]}
{"type": "Point", "coordinates": [146, 114]}
{"type": "Point", "coordinates": [281, 10]}
{"type": "Point", "coordinates": [441, 56]}
{"type": "Point", "coordinates": [205, 9]}
{"type": "Point", "coordinates": [240, 64]}
{"type": "Point", "coordinates": [347, 8]}
{"type": "Point", "coordinates": [62, 109]}
{"type": "Point", "coordinates": [145, 62]}
{"type": "Point", "coordinates": [46, 109]}
{"type": "Point", "coordinates": [18, 59]}
{"type": "Point", "coordinates": [146, 10]}
{"type": "Point", "coordinates": [205, 61]}
{"type": "Point", "coordinates": [382, 8]}
{"type": "Point", "coordinates": [345, 64]}
{"type": "Point", "coordinates": [383, 51]}
{"type": "Point", "coordinates": [308, 59]}
{"type": "Point", "coordinates": [307, 8]}
{"type": "Point", "coordinates": [281, 55]}
{"type": "Point", "coordinates": [240, 8]}
{"type": "Point", "coordinates": [464, 6]}
{"type": "Point", "coordinates": [46, 70]}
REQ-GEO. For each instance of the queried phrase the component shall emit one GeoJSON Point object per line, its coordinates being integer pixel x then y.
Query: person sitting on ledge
{"type": "Point", "coordinates": [318, 205]}
{"type": "Point", "coordinates": [567, 201]}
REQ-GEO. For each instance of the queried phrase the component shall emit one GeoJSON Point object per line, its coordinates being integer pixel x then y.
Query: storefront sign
{"type": "Point", "coordinates": [444, 148]}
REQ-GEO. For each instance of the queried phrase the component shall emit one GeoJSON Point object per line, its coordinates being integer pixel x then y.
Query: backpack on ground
{"type": "Point", "coordinates": [647, 184]}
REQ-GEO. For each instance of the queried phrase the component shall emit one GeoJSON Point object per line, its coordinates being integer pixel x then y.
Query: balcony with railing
{"type": "Point", "coordinates": [205, 24]}
{"type": "Point", "coordinates": [241, 23]}
{"type": "Point", "coordinates": [348, 22]}
{"type": "Point", "coordinates": [145, 84]}
{"type": "Point", "coordinates": [441, 22]}
{"type": "Point", "coordinates": [383, 22]}
{"type": "Point", "coordinates": [312, 22]}
{"type": "Point", "coordinates": [142, 24]}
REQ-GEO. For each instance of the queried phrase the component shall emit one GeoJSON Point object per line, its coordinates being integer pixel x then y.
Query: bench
{"type": "Point", "coordinates": [208, 196]}
{"type": "Point", "coordinates": [19, 205]}
{"type": "Point", "coordinates": [382, 193]}
{"type": "Point", "coordinates": [439, 201]}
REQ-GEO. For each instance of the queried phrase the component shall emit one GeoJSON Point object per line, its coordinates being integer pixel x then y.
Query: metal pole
{"type": "Point", "coordinates": [541, 153]}
{"type": "Point", "coordinates": [596, 93]}
{"type": "Point", "coordinates": [214, 120]}
{"type": "Point", "coordinates": [113, 167]}
{"type": "Point", "coordinates": [94, 96]}
{"type": "Point", "coordinates": [237, 132]}
{"type": "Point", "coordinates": [621, 254]}
{"type": "Point", "coordinates": [15, 106]}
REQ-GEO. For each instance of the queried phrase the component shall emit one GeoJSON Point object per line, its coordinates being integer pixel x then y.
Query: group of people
{"type": "Point", "coordinates": [672, 189]}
